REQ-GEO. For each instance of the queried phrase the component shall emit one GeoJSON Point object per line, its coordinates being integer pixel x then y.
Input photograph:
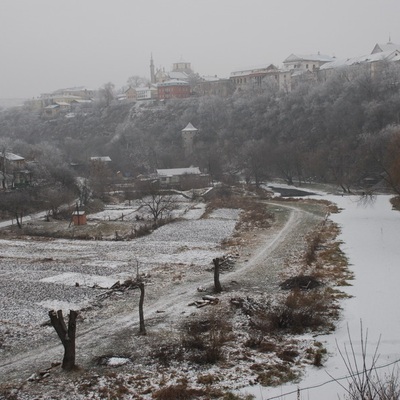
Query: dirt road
{"type": "Point", "coordinates": [111, 328]}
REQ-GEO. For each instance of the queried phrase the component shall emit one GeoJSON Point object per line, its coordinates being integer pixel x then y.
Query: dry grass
{"type": "Point", "coordinates": [269, 374]}
{"type": "Point", "coordinates": [300, 312]}
{"type": "Point", "coordinates": [178, 392]}
{"type": "Point", "coordinates": [203, 340]}
{"type": "Point", "coordinates": [323, 257]}
{"type": "Point", "coordinates": [255, 213]}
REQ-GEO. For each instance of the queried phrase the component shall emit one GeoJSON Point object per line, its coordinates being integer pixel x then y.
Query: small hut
{"type": "Point", "coordinates": [79, 218]}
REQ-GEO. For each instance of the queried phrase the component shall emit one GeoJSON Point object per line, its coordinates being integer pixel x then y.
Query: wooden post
{"type": "Point", "coordinates": [217, 284]}
{"type": "Point", "coordinates": [77, 213]}
{"type": "Point", "coordinates": [66, 335]}
{"type": "Point", "coordinates": [142, 329]}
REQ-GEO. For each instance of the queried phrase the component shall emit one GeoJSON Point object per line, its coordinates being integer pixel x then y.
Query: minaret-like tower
{"type": "Point", "coordinates": [152, 74]}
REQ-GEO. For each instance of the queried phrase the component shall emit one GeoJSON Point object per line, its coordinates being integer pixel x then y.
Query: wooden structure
{"type": "Point", "coordinates": [79, 218]}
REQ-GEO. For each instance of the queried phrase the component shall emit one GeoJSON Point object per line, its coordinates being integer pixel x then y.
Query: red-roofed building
{"type": "Point", "coordinates": [173, 89]}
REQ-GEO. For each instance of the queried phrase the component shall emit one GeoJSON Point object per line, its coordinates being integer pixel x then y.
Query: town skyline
{"type": "Point", "coordinates": [51, 45]}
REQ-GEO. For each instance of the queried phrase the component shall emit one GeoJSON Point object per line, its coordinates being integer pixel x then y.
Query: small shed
{"type": "Point", "coordinates": [79, 218]}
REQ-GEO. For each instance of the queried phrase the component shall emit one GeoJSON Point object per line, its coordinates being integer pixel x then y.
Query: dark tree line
{"type": "Point", "coordinates": [342, 130]}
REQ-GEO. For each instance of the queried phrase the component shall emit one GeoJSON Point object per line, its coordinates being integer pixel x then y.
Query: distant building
{"type": "Point", "coordinates": [182, 178]}
{"type": "Point", "coordinates": [386, 47]}
{"type": "Point", "coordinates": [259, 77]}
{"type": "Point", "coordinates": [13, 172]}
{"type": "Point", "coordinates": [64, 96]}
{"type": "Point", "coordinates": [213, 86]}
{"type": "Point", "coordinates": [181, 71]}
{"type": "Point", "coordinates": [182, 66]}
{"type": "Point", "coordinates": [79, 218]}
{"type": "Point", "coordinates": [51, 111]}
{"type": "Point", "coordinates": [130, 94]}
{"type": "Point", "coordinates": [381, 53]}
{"type": "Point", "coordinates": [188, 135]}
{"type": "Point", "coordinates": [309, 62]}
{"type": "Point", "coordinates": [254, 76]}
{"type": "Point", "coordinates": [146, 93]}
{"type": "Point", "coordinates": [173, 89]}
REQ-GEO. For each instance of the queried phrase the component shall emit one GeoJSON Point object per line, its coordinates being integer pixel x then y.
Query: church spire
{"type": "Point", "coordinates": [152, 75]}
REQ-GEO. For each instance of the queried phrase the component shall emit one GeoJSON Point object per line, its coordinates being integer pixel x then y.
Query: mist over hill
{"type": "Point", "coordinates": [14, 102]}
{"type": "Point", "coordinates": [344, 130]}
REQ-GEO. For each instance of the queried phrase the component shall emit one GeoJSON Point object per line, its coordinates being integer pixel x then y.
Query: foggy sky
{"type": "Point", "coordinates": [52, 44]}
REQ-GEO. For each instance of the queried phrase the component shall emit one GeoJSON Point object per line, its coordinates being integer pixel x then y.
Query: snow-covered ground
{"type": "Point", "coordinates": [371, 237]}
{"type": "Point", "coordinates": [39, 275]}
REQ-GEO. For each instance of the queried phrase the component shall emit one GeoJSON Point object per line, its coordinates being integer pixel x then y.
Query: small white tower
{"type": "Point", "coordinates": [188, 135]}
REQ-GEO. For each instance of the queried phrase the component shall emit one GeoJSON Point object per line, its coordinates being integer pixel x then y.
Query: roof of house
{"type": "Point", "coordinates": [209, 78]}
{"type": "Point", "coordinates": [80, 101]}
{"type": "Point", "coordinates": [391, 55]}
{"type": "Point", "coordinates": [78, 213]}
{"type": "Point", "coordinates": [189, 128]}
{"type": "Point", "coordinates": [179, 171]}
{"type": "Point", "coordinates": [389, 46]}
{"type": "Point", "coordinates": [12, 157]}
{"type": "Point", "coordinates": [173, 82]}
{"type": "Point", "coordinates": [102, 159]}
{"type": "Point", "coordinates": [308, 57]}
{"type": "Point", "coordinates": [145, 88]}
{"type": "Point", "coordinates": [178, 75]}
{"type": "Point", "coordinates": [255, 69]}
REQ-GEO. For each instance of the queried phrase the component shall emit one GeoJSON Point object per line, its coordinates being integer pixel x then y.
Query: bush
{"type": "Point", "coordinates": [204, 339]}
{"type": "Point", "coordinates": [297, 312]}
{"type": "Point", "coordinates": [178, 392]}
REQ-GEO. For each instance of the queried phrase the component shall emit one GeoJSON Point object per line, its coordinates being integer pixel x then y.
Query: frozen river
{"type": "Point", "coordinates": [371, 241]}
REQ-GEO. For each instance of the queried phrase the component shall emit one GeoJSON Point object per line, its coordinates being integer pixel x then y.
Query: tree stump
{"type": "Point", "coordinates": [142, 328]}
{"type": "Point", "coordinates": [217, 284]}
{"type": "Point", "coordinates": [66, 335]}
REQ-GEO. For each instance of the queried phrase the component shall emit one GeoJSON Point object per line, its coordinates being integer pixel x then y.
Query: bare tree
{"type": "Point", "coordinates": [384, 150]}
{"type": "Point", "coordinates": [54, 198]}
{"type": "Point", "coordinates": [364, 381]}
{"type": "Point", "coordinates": [66, 335]}
{"type": "Point", "coordinates": [17, 204]}
{"type": "Point", "coordinates": [159, 204]}
{"type": "Point", "coordinates": [106, 93]}
{"type": "Point", "coordinates": [137, 81]}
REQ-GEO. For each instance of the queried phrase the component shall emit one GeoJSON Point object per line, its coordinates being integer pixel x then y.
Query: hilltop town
{"type": "Point", "coordinates": [181, 81]}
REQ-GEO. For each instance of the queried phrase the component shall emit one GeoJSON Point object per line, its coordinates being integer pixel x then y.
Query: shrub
{"type": "Point", "coordinates": [313, 242]}
{"type": "Point", "coordinates": [167, 353]}
{"type": "Point", "coordinates": [178, 392]}
{"type": "Point", "coordinates": [204, 339]}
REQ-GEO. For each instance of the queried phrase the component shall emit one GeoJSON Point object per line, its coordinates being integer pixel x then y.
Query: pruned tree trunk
{"type": "Point", "coordinates": [19, 221]}
{"type": "Point", "coordinates": [66, 335]}
{"type": "Point", "coordinates": [217, 284]}
{"type": "Point", "coordinates": [142, 328]}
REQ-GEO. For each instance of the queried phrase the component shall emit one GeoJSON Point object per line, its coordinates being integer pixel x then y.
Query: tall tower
{"type": "Point", "coordinates": [188, 135]}
{"type": "Point", "coordinates": [152, 74]}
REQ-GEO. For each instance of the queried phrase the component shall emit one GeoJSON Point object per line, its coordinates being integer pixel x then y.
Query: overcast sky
{"type": "Point", "coordinates": [52, 44]}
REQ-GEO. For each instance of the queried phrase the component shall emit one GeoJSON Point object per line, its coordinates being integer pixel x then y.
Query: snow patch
{"type": "Point", "coordinates": [72, 278]}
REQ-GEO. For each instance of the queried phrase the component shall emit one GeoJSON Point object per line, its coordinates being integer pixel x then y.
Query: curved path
{"type": "Point", "coordinates": [260, 270]}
